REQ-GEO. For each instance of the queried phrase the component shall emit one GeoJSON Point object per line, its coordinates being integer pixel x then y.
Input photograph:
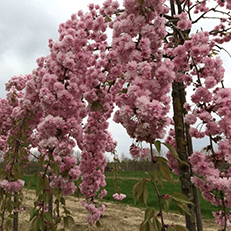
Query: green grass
{"type": "Point", "coordinates": [27, 179]}
{"type": "Point", "coordinates": [127, 185]}
{"type": "Point", "coordinates": [134, 174]}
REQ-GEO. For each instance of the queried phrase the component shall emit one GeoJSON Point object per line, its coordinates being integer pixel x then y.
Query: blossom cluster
{"type": "Point", "coordinates": [119, 197]}
{"type": "Point", "coordinates": [214, 179]}
{"type": "Point", "coordinates": [95, 212]}
{"type": "Point", "coordinates": [16, 125]}
{"type": "Point", "coordinates": [82, 78]}
{"type": "Point", "coordinates": [67, 188]}
{"type": "Point", "coordinates": [197, 65]}
{"type": "Point", "coordinates": [13, 186]}
{"type": "Point", "coordinates": [184, 23]}
{"type": "Point", "coordinates": [143, 102]}
{"type": "Point", "coordinates": [72, 83]}
{"type": "Point", "coordinates": [138, 152]}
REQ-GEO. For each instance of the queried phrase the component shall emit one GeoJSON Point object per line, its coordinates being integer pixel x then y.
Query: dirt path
{"type": "Point", "coordinates": [117, 217]}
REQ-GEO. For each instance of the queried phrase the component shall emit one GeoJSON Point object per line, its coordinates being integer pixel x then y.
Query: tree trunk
{"type": "Point", "coordinates": [15, 220]}
{"type": "Point", "coordinates": [197, 208]}
{"type": "Point", "coordinates": [178, 92]}
{"type": "Point", "coordinates": [195, 191]}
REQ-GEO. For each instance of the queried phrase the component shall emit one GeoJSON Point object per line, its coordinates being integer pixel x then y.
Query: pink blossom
{"type": "Point", "coordinates": [196, 158]}
{"type": "Point", "coordinates": [228, 1]}
{"type": "Point", "coordinates": [205, 116]}
{"type": "Point", "coordinates": [201, 95]}
{"type": "Point", "coordinates": [184, 23]}
{"type": "Point", "coordinates": [74, 173]}
{"type": "Point", "coordinates": [14, 186]}
{"type": "Point", "coordinates": [190, 119]}
{"type": "Point", "coordinates": [3, 183]}
{"type": "Point", "coordinates": [95, 213]}
{"type": "Point", "coordinates": [102, 194]}
{"type": "Point", "coordinates": [138, 152]}
{"type": "Point", "coordinates": [187, 107]}
{"type": "Point", "coordinates": [195, 133]}
{"type": "Point", "coordinates": [119, 197]}
{"type": "Point", "coordinates": [210, 82]}
{"type": "Point", "coordinates": [213, 128]}
{"type": "Point", "coordinates": [172, 163]}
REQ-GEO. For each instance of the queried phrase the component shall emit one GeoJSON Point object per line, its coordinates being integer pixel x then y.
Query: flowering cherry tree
{"type": "Point", "coordinates": [69, 97]}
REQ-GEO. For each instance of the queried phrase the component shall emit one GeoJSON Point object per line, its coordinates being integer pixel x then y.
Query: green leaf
{"type": "Point", "coordinates": [97, 224]}
{"type": "Point", "coordinates": [55, 193]}
{"type": "Point", "coordinates": [137, 190]}
{"type": "Point", "coordinates": [180, 228]}
{"type": "Point", "coordinates": [11, 216]}
{"type": "Point", "coordinates": [32, 213]}
{"type": "Point", "coordinates": [58, 220]}
{"type": "Point", "coordinates": [145, 194]}
{"type": "Point", "coordinates": [156, 177]}
{"type": "Point", "coordinates": [149, 213]}
{"type": "Point", "coordinates": [41, 161]}
{"type": "Point", "coordinates": [157, 224]}
{"type": "Point", "coordinates": [167, 204]}
{"type": "Point", "coordinates": [166, 172]}
{"type": "Point", "coordinates": [173, 151]}
{"type": "Point", "coordinates": [66, 223]}
{"type": "Point", "coordinates": [55, 168]}
{"type": "Point", "coordinates": [46, 183]}
{"type": "Point", "coordinates": [161, 159]}
{"type": "Point", "coordinates": [171, 229]}
{"type": "Point", "coordinates": [9, 225]}
{"type": "Point", "coordinates": [183, 208]}
{"type": "Point", "coordinates": [77, 193]}
{"type": "Point", "coordinates": [39, 190]}
{"type": "Point", "coordinates": [151, 226]}
{"type": "Point", "coordinates": [107, 19]}
{"type": "Point", "coordinates": [124, 90]}
{"type": "Point", "coordinates": [180, 197]}
{"type": "Point", "coordinates": [157, 144]}
{"type": "Point", "coordinates": [46, 197]}
{"type": "Point", "coordinates": [71, 220]}
{"type": "Point", "coordinates": [66, 211]}
{"type": "Point", "coordinates": [144, 226]}
{"type": "Point", "coordinates": [96, 105]}
{"type": "Point", "coordinates": [41, 224]}
{"type": "Point", "coordinates": [62, 200]}
{"type": "Point", "coordinates": [140, 192]}
{"type": "Point", "coordinates": [32, 180]}
{"type": "Point", "coordinates": [10, 205]}
{"type": "Point", "coordinates": [35, 224]}
{"type": "Point", "coordinates": [47, 216]}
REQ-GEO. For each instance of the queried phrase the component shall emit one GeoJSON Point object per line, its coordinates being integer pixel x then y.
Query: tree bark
{"type": "Point", "coordinates": [197, 208]}
{"type": "Point", "coordinates": [195, 190]}
{"type": "Point", "coordinates": [184, 169]}
{"type": "Point", "coordinates": [15, 220]}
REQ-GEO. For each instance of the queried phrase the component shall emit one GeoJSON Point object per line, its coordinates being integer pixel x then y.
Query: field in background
{"type": "Point", "coordinates": [129, 178]}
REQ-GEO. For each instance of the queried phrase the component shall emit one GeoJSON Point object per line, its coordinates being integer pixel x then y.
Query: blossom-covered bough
{"type": "Point", "coordinates": [69, 97]}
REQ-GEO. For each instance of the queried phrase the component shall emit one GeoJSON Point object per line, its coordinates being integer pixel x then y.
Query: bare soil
{"type": "Point", "coordinates": [116, 217]}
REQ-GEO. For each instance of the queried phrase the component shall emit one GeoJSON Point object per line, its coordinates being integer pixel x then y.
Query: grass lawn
{"type": "Point", "coordinates": [132, 174]}
{"type": "Point", "coordinates": [127, 185]}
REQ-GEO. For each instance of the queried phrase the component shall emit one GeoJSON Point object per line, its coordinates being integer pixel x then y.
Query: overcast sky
{"type": "Point", "coordinates": [25, 28]}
